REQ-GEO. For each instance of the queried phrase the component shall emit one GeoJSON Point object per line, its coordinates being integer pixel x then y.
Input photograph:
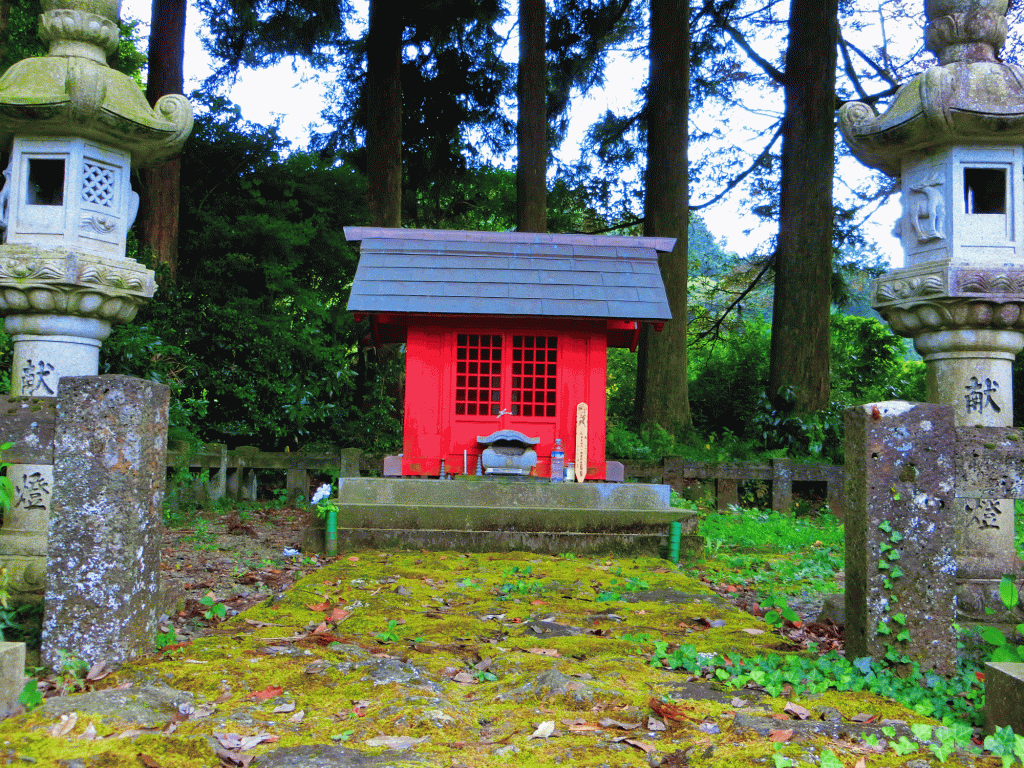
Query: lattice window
{"type": "Point", "coordinates": [477, 375]}
{"type": "Point", "coordinates": [534, 375]}
{"type": "Point", "coordinates": [98, 185]}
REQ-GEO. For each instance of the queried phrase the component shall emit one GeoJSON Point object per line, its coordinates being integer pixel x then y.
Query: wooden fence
{"type": "Point", "coordinates": [234, 473]}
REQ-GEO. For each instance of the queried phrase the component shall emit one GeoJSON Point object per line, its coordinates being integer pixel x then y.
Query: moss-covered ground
{"type": "Point", "coordinates": [477, 660]}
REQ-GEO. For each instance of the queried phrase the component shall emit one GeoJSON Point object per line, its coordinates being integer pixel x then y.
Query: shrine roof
{"type": "Point", "coordinates": [508, 273]}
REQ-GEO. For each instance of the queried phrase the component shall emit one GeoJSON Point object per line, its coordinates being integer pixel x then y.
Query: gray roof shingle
{"type": "Point", "coordinates": [508, 273]}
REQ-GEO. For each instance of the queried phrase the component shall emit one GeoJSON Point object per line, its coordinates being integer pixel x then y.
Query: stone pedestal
{"type": "Point", "coordinates": [900, 534]}
{"type": "Point", "coordinates": [103, 563]}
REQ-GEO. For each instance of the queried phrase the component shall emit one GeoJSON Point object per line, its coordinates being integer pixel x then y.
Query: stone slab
{"type": "Point", "coordinates": [543, 542]}
{"type": "Point", "coordinates": [512, 518]}
{"type": "Point", "coordinates": [479, 492]}
{"type": "Point", "coordinates": [1004, 696]}
{"type": "Point", "coordinates": [12, 675]}
{"type": "Point", "coordinates": [28, 423]}
{"type": "Point", "coordinates": [103, 561]}
{"type": "Point", "coordinates": [988, 462]}
{"type": "Point", "coordinates": [900, 533]}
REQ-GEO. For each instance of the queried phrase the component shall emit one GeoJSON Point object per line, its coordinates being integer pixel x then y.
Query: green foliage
{"type": "Point", "coordinates": [1005, 744]}
{"type": "Point", "coordinates": [6, 498]}
{"type": "Point", "coordinates": [1003, 648]}
{"type": "Point", "coordinates": [780, 613]}
{"type": "Point", "coordinates": [389, 635]}
{"type": "Point", "coordinates": [214, 611]}
{"type": "Point", "coordinates": [30, 697]}
{"type": "Point", "coordinates": [254, 341]}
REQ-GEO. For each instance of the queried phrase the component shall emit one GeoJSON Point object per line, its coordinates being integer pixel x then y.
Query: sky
{"type": "Point", "coordinates": [291, 93]}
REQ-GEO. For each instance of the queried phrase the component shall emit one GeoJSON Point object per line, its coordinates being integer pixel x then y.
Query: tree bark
{"type": "Point", "coordinates": [384, 114]}
{"type": "Point", "coordinates": [5, 27]}
{"type": "Point", "coordinates": [803, 261]}
{"type": "Point", "coordinates": [532, 124]}
{"type": "Point", "coordinates": [160, 193]}
{"type": "Point", "coordinates": [662, 394]}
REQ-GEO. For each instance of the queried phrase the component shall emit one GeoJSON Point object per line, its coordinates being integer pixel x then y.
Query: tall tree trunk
{"type": "Point", "coordinates": [5, 27]}
{"type": "Point", "coordinates": [661, 385]}
{"type": "Point", "coordinates": [160, 194]}
{"type": "Point", "coordinates": [384, 118]}
{"type": "Point", "coordinates": [803, 260]}
{"type": "Point", "coordinates": [532, 125]}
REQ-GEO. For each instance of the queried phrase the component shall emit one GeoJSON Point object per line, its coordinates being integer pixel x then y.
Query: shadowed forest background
{"type": "Point", "coordinates": [428, 106]}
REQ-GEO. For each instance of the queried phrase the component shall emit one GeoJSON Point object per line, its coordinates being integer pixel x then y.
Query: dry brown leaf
{"type": "Point", "coordinates": [779, 737]}
{"type": "Point", "coordinates": [607, 722]}
{"type": "Point", "coordinates": [669, 711]}
{"type": "Point", "coordinates": [338, 614]}
{"type": "Point", "coordinates": [863, 717]}
{"type": "Point", "coordinates": [862, 763]}
{"type": "Point", "coordinates": [544, 730]}
{"type": "Point", "coordinates": [297, 717]}
{"type": "Point", "coordinates": [543, 651]}
{"type": "Point", "coordinates": [324, 606]}
{"type": "Point", "coordinates": [583, 727]}
{"type": "Point", "coordinates": [89, 733]}
{"type": "Point", "coordinates": [654, 724]}
{"type": "Point", "coordinates": [643, 746]}
{"type": "Point", "coordinates": [148, 761]}
{"type": "Point", "coordinates": [98, 671]}
{"type": "Point", "coordinates": [267, 693]}
{"type": "Point", "coordinates": [288, 706]}
{"type": "Point", "coordinates": [463, 677]}
{"type": "Point", "coordinates": [800, 713]}
{"type": "Point", "coordinates": [64, 726]}
{"type": "Point", "coordinates": [752, 631]}
{"type": "Point", "coordinates": [232, 759]}
{"type": "Point", "coordinates": [260, 624]}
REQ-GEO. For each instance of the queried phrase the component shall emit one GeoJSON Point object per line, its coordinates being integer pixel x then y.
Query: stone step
{"type": "Point", "coordinates": [543, 542]}
{"type": "Point", "coordinates": [512, 518]}
{"type": "Point", "coordinates": [490, 492]}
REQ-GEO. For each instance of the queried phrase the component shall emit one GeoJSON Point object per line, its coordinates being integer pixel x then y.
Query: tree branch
{"type": "Point", "coordinates": [741, 41]}
{"type": "Point", "coordinates": [746, 172]}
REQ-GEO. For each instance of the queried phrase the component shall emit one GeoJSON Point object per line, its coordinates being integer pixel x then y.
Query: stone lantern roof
{"type": "Point", "coordinates": [969, 98]}
{"type": "Point", "coordinates": [73, 92]}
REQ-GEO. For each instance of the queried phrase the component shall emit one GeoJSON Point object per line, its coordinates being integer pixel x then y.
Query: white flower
{"type": "Point", "coordinates": [322, 493]}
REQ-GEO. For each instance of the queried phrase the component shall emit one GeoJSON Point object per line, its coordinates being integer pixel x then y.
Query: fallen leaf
{"type": "Point", "coordinates": [800, 713]}
{"type": "Point", "coordinates": [64, 726]}
{"type": "Point", "coordinates": [288, 706]}
{"type": "Point", "coordinates": [394, 742]}
{"type": "Point", "coordinates": [319, 606]}
{"type": "Point", "coordinates": [236, 741]}
{"type": "Point", "coordinates": [863, 717]}
{"type": "Point", "coordinates": [607, 722]}
{"type": "Point", "coordinates": [543, 651]}
{"type": "Point", "coordinates": [738, 702]}
{"type": "Point", "coordinates": [260, 624]}
{"type": "Point", "coordinates": [203, 710]}
{"type": "Point", "coordinates": [752, 631]}
{"type": "Point", "coordinates": [673, 711]}
{"type": "Point", "coordinates": [98, 671]}
{"type": "Point", "coordinates": [89, 733]}
{"type": "Point", "coordinates": [643, 746]}
{"type": "Point", "coordinates": [780, 736]}
{"type": "Point", "coordinates": [463, 677]}
{"type": "Point", "coordinates": [353, 559]}
{"type": "Point", "coordinates": [297, 717]}
{"type": "Point", "coordinates": [654, 724]}
{"type": "Point", "coordinates": [229, 758]}
{"type": "Point", "coordinates": [584, 727]}
{"type": "Point", "coordinates": [544, 730]}
{"type": "Point", "coordinates": [862, 763]}
{"type": "Point", "coordinates": [148, 761]}
{"type": "Point", "coordinates": [267, 693]}
{"type": "Point", "coordinates": [338, 614]}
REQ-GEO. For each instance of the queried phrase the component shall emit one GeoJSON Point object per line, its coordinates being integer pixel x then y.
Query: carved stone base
{"type": "Point", "coordinates": [978, 600]}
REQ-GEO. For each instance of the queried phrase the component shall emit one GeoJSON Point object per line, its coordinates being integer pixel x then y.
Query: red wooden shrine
{"type": "Point", "coordinates": [504, 331]}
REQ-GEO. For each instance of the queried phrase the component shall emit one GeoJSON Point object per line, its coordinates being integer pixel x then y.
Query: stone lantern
{"type": "Point", "coordinates": [75, 129]}
{"type": "Point", "coordinates": [954, 137]}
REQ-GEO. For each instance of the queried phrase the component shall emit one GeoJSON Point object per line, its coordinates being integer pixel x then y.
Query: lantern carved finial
{"type": "Point", "coordinates": [80, 28]}
{"type": "Point", "coordinates": [965, 30]}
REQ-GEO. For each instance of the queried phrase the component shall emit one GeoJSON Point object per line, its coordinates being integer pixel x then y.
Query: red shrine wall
{"type": "Point", "coordinates": [468, 377]}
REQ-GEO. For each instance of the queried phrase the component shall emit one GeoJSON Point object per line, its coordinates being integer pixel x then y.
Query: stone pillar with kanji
{"type": "Point", "coordinates": [954, 140]}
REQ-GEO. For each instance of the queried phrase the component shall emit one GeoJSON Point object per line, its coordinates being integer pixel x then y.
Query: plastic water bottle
{"type": "Point", "coordinates": [557, 462]}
